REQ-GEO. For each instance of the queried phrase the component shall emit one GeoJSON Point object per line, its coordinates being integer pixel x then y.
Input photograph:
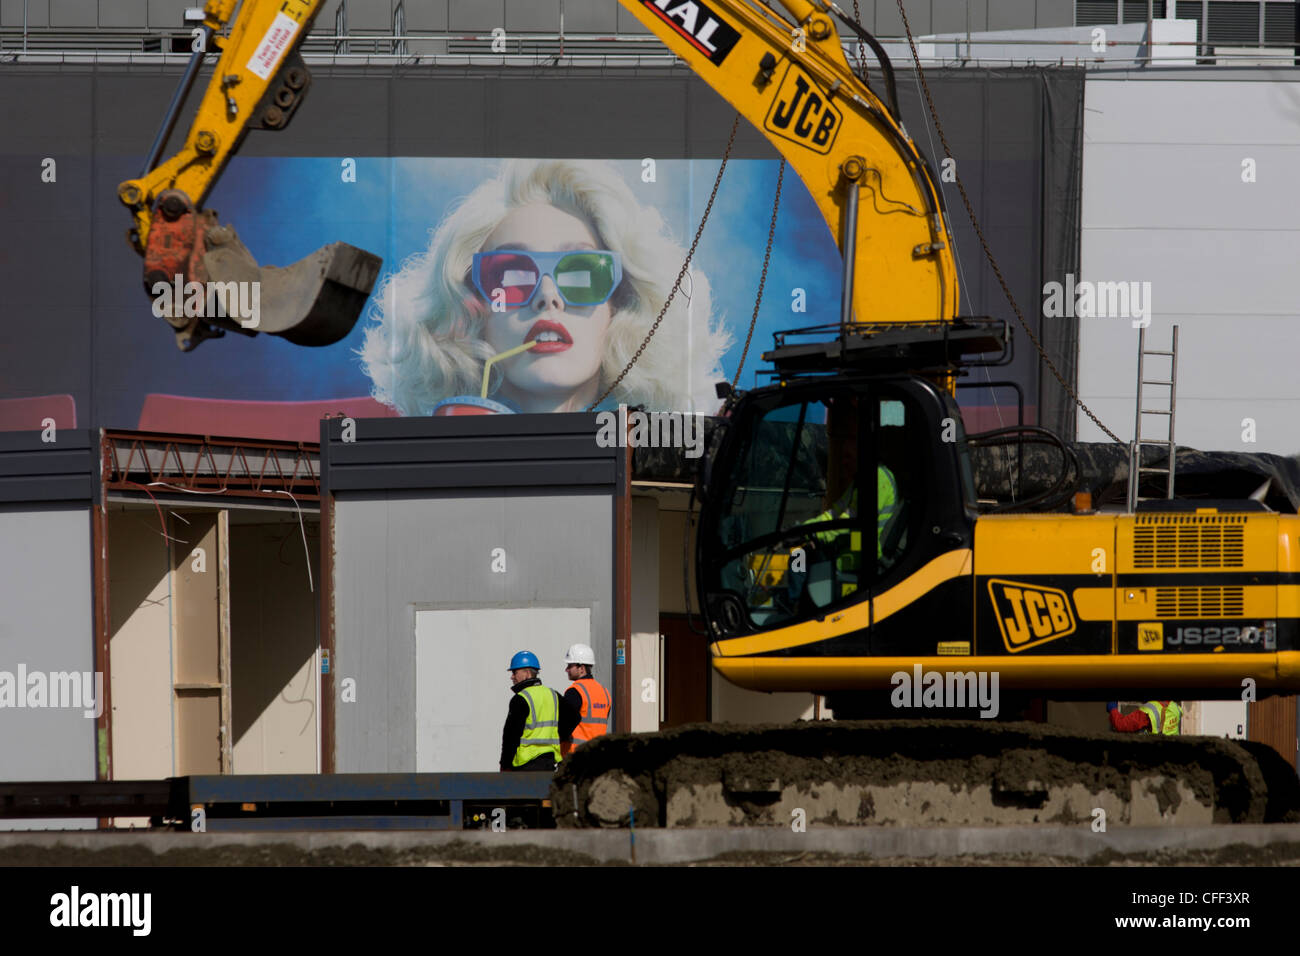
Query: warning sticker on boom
{"type": "Point", "coordinates": [277, 39]}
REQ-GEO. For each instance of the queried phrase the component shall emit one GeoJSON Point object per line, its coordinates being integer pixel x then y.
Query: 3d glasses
{"type": "Point", "coordinates": [584, 277]}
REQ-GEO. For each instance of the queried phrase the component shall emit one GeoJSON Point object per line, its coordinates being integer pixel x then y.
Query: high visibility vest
{"type": "Point", "coordinates": [595, 713]}
{"type": "Point", "coordinates": [847, 508]}
{"type": "Point", "coordinates": [542, 729]}
{"type": "Point", "coordinates": [1164, 720]}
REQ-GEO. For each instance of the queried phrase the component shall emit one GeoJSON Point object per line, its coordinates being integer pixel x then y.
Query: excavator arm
{"type": "Point", "coordinates": [259, 82]}
{"type": "Point", "coordinates": [789, 77]}
{"type": "Point", "coordinates": [787, 74]}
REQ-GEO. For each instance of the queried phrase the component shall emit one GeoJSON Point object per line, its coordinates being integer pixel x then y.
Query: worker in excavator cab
{"type": "Point", "coordinates": [586, 696]}
{"type": "Point", "coordinates": [1155, 716]}
{"type": "Point", "coordinates": [536, 721]}
{"type": "Point", "coordinates": [845, 544]}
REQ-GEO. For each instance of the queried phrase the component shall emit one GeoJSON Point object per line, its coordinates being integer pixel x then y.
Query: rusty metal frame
{"type": "Point", "coordinates": [103, 626]}
{"type": "Point", "coordinates": [129, 465]}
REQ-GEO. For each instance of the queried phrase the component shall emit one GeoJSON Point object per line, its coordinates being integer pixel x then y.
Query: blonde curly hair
{"type": "Point", "coordinates": [427, 341]}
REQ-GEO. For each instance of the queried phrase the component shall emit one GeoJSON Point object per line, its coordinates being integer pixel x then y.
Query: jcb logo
{"type": "Point", "coordinates": [1029, 615]}
{"type": "Point", "coordinates": [803, 114]}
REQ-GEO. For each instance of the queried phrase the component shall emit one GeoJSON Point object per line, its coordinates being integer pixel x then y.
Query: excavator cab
{"type": "Point", "coordinates": [826, 494]}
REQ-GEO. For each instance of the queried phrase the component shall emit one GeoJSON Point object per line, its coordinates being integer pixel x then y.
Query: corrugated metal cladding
{"type": "Point", "coordinates": [1089, 13]}
{"type": "Point", "coordinates": [1231, 22]}
{"type": "Point", "coordinates": [542, 454]}
{"type": "Point", "coordinates": [65, 468]}
{"type": "Point", "coordinates": [1135, 11]}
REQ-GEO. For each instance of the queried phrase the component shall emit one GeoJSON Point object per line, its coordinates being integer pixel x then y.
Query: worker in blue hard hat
{"type": "Point", "coordinates": [538, 717]}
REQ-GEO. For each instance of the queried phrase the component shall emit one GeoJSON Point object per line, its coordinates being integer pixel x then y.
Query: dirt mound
{"type": "Point", "coordinates": [914, 772]}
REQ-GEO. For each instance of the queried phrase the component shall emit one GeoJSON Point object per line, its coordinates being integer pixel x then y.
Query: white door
{"type": "Point", "coordinates": [462, 688]}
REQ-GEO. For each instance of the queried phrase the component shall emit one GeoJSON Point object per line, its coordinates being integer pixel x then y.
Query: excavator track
{"type": "Point", "coordinates": [918, 773]}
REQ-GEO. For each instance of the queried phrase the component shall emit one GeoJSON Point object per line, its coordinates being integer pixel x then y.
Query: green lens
{"type": "Point", "coordinates": [585, 278]}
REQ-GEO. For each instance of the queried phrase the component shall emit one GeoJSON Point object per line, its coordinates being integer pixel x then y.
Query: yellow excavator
{"type": "Point", "coordinates": [810, 578]}
{"type": "Point", "coordinates": [1176, 598]}
{"type": "Point", "coordinates": [1179, 599]}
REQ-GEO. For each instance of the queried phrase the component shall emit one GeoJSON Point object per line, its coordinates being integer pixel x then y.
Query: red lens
{"type": "Point", "coordinates": [515, 275]}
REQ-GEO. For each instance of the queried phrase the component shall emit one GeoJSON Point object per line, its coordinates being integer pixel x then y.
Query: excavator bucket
{"type": "Point", "coordinates": [315, 301]}
{"type": "Point", "coordinates": [214, 284]}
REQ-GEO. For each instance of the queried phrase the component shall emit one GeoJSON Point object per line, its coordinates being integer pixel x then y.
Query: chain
{"type": "Point", "coordinates": [988, 253]}
{"type": "Point", "coordinates": [862, 53]}
{"type": "Point", "coordinates": [762, 281]}
{"type": "Point", "coordinates": [731, 141]}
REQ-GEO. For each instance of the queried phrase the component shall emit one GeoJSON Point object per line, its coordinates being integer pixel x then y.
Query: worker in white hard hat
{"type": "Point", "coordinates": [586, 696]}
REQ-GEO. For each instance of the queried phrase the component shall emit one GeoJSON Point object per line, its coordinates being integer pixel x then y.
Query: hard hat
{"type": "Point", "coordinates": [524, 659]}
{"type": "Point", "coordinates": [580, 654]}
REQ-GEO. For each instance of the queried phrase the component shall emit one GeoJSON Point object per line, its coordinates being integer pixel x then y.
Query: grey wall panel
{"type": "Point", "coordinates": [628, 23]}
{"type": "Point", "coordinates": [1011, 14]}
{"type": "Point", "coordinates": [65, 469]}
{"type": "Point", "coordinates": [74, 13]}
{"type": "Point", "coordinates": [128, 132]}
{"type": "Point", "coordinates": [47, 113]}
{"type": "Point", "coordinates": [554, 454]}
{"type": "Point", "coordinates": [536, 16]}
{"type": "Point", "coordinates": [424, 15]}
{"type": "Point", "coordinates": [1164, 202]}
{"type": "Point", "coordinates": [46, 627]}
{"type": "Point", "coordinates": [591, 16]}
{"type": "Point", "coordinates": [889, 23]}
{"type": "Point", "coordinates": [536, 486]}
{"type": "Point", "coordinates": [1147, 184]}
{"type": "Point", "coordinates": [126, 13]}
{"type": "Point", "coordinates": [431, 115]}
{"type": "Point", "coordinates": [344, 115]}
{"type": "Point", "coordinates": [168, 13]}
{"type": "Point", "coordinates": [953, 17]}
{"type": "Point", "coordinates": [1053, 13]}
{"type": "Point", "coordinates": [476, 16]}
{"type": "Point", "coordinates": [11, 13]}
{"type": "Point", "coordinates": [367, 15]}
{"type": "Point", "coordinates": [395, 552]}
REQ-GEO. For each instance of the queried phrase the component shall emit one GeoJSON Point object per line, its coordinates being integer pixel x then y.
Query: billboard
{"type": "Point", "coordinates": [571, 259]}
{"type": "Point", "coordinates": [563, 241]}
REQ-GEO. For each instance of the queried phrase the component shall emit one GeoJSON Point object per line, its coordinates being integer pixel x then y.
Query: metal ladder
{"type": "Point", "coordinates": [1136, 470]}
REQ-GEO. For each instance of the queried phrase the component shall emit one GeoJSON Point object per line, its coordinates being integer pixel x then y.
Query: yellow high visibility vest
{"type": "Point", "coordinates": [1164, 720]}
{"type": "Point", "coordinates": [847, 508]}
{"type": "Point", "coordinates": [542, 729]}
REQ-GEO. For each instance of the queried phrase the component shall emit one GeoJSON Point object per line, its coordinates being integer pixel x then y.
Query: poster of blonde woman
{"type": "Point", "coordinates": [533, 294]}
{"type": "Point", "coordinates": [508, 285]}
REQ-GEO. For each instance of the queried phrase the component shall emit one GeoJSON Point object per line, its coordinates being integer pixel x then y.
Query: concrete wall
{"type": "Point", "coordinates": [46, 626]}
{"type": "Point", "coordinates": [396, 551]}
{"type": "Point", "coordinates": [1164, 202]}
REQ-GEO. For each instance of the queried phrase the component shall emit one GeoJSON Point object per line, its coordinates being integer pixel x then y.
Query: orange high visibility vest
{"type": "Point", "coordinates": [595, 713]}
